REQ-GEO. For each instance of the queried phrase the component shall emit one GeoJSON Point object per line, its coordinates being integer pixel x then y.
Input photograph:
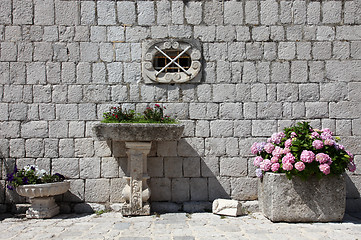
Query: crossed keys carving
{"type": "Point", "coordinates": [173, 60]}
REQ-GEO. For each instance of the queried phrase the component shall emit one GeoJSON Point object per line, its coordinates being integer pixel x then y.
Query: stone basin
{"type": "Point", "coordinates": [138, 132]}
{"type": "Point", "coordinates": [43, 190]}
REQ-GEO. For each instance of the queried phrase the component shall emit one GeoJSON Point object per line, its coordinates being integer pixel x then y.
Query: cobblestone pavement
{"type": "Point", "coordinates": [176, 226]}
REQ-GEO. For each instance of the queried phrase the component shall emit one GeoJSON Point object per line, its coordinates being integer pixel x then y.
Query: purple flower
{"type": "Point", "coordinates": [10, 177]}
{"type": "Point", "coordinates": [351, 166]}
{"type": "Point", "coordinates": [259, 173]}
{"type": "Point", "coordinates": [10, 187]}
{"type": "Point", "coordinates": [25, 180]}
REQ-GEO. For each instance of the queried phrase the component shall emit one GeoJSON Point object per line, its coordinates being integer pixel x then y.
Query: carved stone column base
{"type": "Point", "coordinates": [127, 210]}
{"type": "Point", "coordinates": [42, 207]}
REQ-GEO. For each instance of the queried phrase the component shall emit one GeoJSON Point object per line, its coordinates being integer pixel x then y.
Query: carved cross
{"type": "Point", "coordinates": [172, 60]}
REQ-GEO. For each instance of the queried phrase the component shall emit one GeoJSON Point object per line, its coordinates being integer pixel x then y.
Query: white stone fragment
{"type": "Point", "coordinates": [227, 207]}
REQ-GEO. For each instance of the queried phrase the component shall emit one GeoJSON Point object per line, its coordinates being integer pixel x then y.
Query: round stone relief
{"type": "Point", "coordinates": [171, 61]}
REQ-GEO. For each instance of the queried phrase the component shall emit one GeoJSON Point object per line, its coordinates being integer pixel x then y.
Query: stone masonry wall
{"type": "Point", "coordinates": [267, 64]}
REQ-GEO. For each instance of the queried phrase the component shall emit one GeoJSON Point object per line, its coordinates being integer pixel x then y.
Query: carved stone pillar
{"type": "Point", "coordinates": [137, 192]}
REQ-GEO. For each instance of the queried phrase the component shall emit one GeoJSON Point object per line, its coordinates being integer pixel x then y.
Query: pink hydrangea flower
{"type": "Point", "coordinates": [257, 147]}
{"type": "Point", "coordinates": [300, 166]}
{"type": "Point", "coordinates": [317, 144]}
{"type": "Point", "coordinates": [307, 156]}
{"type": "Point", "coordinates": [275, 167]}
{"type": "Point", "coordinates": [254, 149]}
{"type": "Point", "coordinates": [327, 130]}
{"type": "Point", "coordinates": [323, 158]}
{"type": "Point", "coordinates": [277, 152]}
{"type": "Point", "coordinates": [289, 158]}
{"type": "Point", "coordinates": [269, 147]}
{"type": "Point", "coordinates": [274, 159]}
{"type": "Point", "coordinates": [329, 142]}
{"type": "Point", "coordinates": [286, 150]}
{"type": "Point", "coordinates": [293, 134]}
{"type": "Point", "coordinates": [257, 161]}
{"type": "Point", "coordinates": [276, 137]}
{"type": "Point", "coordinates": [351, 166]}
{"type": "Point", "coordinates": [287, 166]}
{"type": "Point", "coordinates": [325, 168]}
{"type": "Point", "coordinates": [265, 165]}
{"type": "Point", "coordinates": [326, 135]}
{"type": "Point", "coordinates": [315, 135]}
{"type": "Point", "coordinates": [288, 143]}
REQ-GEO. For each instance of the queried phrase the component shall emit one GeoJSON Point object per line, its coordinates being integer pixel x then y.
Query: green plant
{"type": "Point", "coordinates": [302, 151]}
{"type": "Point", "coordinates": [31, 174]}
{"type": "Point", "coordinates": [150, 115]}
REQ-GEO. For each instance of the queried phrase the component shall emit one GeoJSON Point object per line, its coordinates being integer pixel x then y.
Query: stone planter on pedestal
{"type": "Point", "coordinates": [138, 139]}
{"type": "Point", "coordinates": [295, 200]}
{"type": "Point", "coordinates": [42, 198]}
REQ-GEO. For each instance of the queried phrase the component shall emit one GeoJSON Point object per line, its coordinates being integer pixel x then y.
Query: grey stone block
{"type": "Point", "coordinates": [198, 189]}
{"type": "Point", "coordinates": [119, 184]}
{"type": "Point", "coordinates": [285, 12]}
{"type": "Point", "coordinates": [251, 12]}
{"type": "Point", "coordinates": [89, 168]}
{"type": "Point", "coordinates": [5, 12]}
{"type": "Point", "coordinates": [269, 12]}
{"type": "Point", "coordinates": [17, 148]}
{"type": "Point", "coordinates": [51, 148]}
{"type": "Point", "coordinates": [261, 33]}
{"type": "Point", "coordinates": [177, 12]}
{"type": "Point", "coordinates": [221, 128]}
{"type": "Point", "coordinates": [180, 189]}
{"type": "Point", "coordinates": [212, 14]}
{"type": "Point", "coordinates": [344, 109]}
{"type": "Point", "coordinates": [66, 148]}
{"type": "Point", "coordinates": [106, 13]}
{"type": "Point", "coordinates": [180, 31]}
{"type": "Point", "coordinates": [97, 190]}
{"type": "Point", "coordinates": [87, 12]}
{"type": "Point", "coordinates": [233, 166]}
{"type": "Point", "coordinates": [66, 13]}
{"type": "Point", "coordinates": [8, 52]}
{"type": "Point", "coordinates": [34, 129]}
{"type": "Point", "coordinates": [68, 167]}
{"type": "Point", "coordinates": [126, 12]}
{"type": "Point", "coordinates": [321, 50]}
{"type": "Point", "coordinates": [303, 50]}
{"type": "Point", "coordinates": [243, 33]}
{"type": "Point", "coordinates": [244, 188]}
{"type": "Point", "coordinates": [233, 13]}
{"type": "Point", "coordinates": [331, 12]}
{"type": "Point", "coordinates": [44, 12]}
{"type": "Point", "coordinates": [109, 167]}
{"type": "Point", "coordinates": [227, 207]}
{"type": "Point", "coordinates": [191, 167]}
{"type": "Point", "coordinates": [84, 147]}
{"type": "Point", "coordinates": [58, 129]}
{"type": "Point", "coordinates": [219, 187]}
{"type": "Point", "coordinates": [193, 13]}
{"type": "Point", "coordinates": [286, 50]}
{"type": "Point", "coordinates": [96, 93]}
{"type": "Point", "coordinates": [98, 34]}
{"type": "Point", "coordinates": [22, 12]}
{"type": "Point", "coordinates": [161, 189]}
{"type": "Point", "coordinates": [280, 71]}
{"type": "Point", "coordinates": [34, 148]}
{"type": "Point", "coordinates": [313, 12]}
{"type": "Point", "coordinates": [226, 33]}
{"type": "Point", "coordinates": [215, 146]}
{"type": "Point", "coordinates": [165, 207]}
{"type": "Point", "coordinates": [299, 12]}
{"type": "Point", "coordinates": [300, 197]}
{"type": "Point", "coordinates": [294, 33]}
{"type": "Point", "coordinates": [115, 34]}
{"type": "Point", "coordinates": [89, 52]}
{"type": "Point", "coordinates": [254, 51]}
{"type": "Point", "coordinates": [146, 15]}
{"type": "Point", "coordinates": [317, 110]}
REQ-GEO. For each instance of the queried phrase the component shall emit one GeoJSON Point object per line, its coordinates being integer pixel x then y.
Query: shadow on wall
{"type": "Point", "coordinates": [353, 200]}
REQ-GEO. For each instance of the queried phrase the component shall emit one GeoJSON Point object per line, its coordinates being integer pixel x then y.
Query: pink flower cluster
{"type": "Point", "coordinates": [307, 156]}
{"type": "Point", "coordinates": [257, 147]}
{"type": "Point", "coordinates": [317, 144]}
{"type": "Point", "coordinates": [276, 138]}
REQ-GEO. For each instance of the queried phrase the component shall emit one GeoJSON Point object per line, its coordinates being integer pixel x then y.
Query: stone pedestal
{"type": "Point", "coordinates": [44, 207]}
{"type": "Point", "coordinates": [137, 192]}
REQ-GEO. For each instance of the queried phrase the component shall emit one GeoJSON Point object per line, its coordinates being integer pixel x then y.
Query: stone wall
{"type": "Point", "coordinates": [267, 64]}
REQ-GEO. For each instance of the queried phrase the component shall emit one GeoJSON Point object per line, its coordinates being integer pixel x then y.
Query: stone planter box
{"type": "Point", "coordinates": [314, 200]}
{"type": "Point", "coordinates": [42, 198]}
{"type": "Point", "coordinates": [138, 132]}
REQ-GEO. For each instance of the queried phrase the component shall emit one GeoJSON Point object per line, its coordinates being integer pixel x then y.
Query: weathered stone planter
{"type": "Point", "coordinates": [42, 198]}
{"type": "Point", "coordinates": [314, 200]}
{"type": "Point", "coordinates": [138, 139]}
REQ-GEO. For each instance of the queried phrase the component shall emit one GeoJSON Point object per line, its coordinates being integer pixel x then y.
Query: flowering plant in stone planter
{"type": "Point", "coordinates": [31, 174]}
{"type": "Point", "coordinates": [302, 151]}
{"type": "Point", "coordinates": [150, 115]}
